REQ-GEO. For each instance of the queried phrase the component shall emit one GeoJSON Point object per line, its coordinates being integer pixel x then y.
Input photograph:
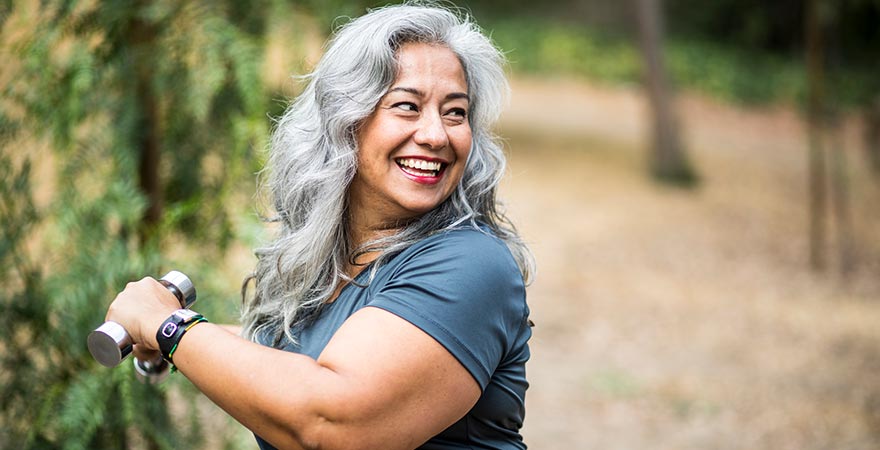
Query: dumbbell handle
{"type": "Point", "coordinates": [109, 344]}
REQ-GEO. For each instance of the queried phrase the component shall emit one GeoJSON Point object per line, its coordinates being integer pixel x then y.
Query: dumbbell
{"type": "Point", "coordinates": [109, 344]}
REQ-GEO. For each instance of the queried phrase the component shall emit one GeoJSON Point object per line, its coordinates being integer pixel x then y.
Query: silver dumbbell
{"type": "Point", "coordinates": [151, 371]}
{"type": "Point", "coordinates": [109, 344]}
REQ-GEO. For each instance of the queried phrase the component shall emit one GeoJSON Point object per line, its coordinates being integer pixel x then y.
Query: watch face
{"type": "Point", "coordinates": [185, 314]}
{"type": "Point", "coordinates": [169, 329]}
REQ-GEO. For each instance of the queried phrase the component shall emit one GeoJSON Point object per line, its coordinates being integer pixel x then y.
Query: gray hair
{"type": "Point", "coordinates": [313, 159]}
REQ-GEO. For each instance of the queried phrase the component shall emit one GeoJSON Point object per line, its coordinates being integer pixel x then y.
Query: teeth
{"type": "Point", "coordinates": [419, 164]}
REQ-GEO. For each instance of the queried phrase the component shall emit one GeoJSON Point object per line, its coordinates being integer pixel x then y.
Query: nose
{"type": "Point", "coordinates": [431, 132]}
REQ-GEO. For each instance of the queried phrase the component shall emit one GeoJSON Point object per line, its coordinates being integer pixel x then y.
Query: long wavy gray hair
{"type": "Point", "coordinates": [313, 158]}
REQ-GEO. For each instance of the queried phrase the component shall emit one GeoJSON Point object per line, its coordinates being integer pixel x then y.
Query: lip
{"type": "Point", "coordinates": [428, 180]}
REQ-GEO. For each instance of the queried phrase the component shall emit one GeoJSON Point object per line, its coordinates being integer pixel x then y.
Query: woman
{"type": "Point", "coordinates": [390, 312]}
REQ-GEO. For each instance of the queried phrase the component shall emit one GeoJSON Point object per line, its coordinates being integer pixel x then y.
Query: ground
{"type": "Point", "coordinates": [687, 319]}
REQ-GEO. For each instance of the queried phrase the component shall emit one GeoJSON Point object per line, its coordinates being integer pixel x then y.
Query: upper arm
{"type": "Point", "coordinates": [397, 387]}
{"type": "Point", "coordinates": [415, 360]}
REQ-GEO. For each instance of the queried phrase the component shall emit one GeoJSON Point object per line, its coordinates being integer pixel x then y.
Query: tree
{"type": "Point", "coordinates": [668, 159]}
{"type": "Point", "coordinates": [123, 92]}
{"type": "Point", "coordinates": [872, 134]}
{"type": "Point", "coordinates": [815, 125]}
{"type": "Point", "coordinates": [825, 142]}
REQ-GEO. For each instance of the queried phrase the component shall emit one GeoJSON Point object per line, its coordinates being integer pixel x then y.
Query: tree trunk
{"type": "Point", "coordinates": [142, 38]}
{"type": "Point", "coordinates": [839, 170]}
{"type": "Point", "coordinates": [840, 203]}
{"type": "Point", "coordinates": [668, 160]}
{"type": "Point", "coordinates": [872, 134]}
{"type": "Point", "coordinates": [815, 130]}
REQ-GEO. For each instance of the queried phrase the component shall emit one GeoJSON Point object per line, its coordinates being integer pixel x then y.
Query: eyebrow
{"type": "Point", "coordinates": [416, 92]}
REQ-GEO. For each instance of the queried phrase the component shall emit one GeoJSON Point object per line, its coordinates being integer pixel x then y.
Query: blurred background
{"type": "Point", "coordinates": [699, 182]}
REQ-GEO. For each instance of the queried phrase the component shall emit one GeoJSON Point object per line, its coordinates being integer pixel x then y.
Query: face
{"type": "Point", "coordinates": [413, 148]}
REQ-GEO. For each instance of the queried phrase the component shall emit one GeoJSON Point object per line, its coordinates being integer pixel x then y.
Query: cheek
{"type": "Point", "coordinates": [462, 143]}
{"type": "Point", "coordinates": [369, 154]}
{"type": "Point", "coordinates": [462, 156]}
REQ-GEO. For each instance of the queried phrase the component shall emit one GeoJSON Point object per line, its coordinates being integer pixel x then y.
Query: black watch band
{"type": "Point", "coordinates": [173, 329]}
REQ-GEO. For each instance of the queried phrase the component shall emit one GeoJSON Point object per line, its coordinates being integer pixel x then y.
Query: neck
{"type": "Point", "coordinates": [362, 229]}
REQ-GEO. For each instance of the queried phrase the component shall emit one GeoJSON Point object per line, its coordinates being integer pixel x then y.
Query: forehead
{"type": "Point", "coordinates": [429, 65]}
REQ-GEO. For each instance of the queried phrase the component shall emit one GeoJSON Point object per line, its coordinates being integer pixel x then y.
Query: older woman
{"type": "Point", "coordinates": [390, 312]}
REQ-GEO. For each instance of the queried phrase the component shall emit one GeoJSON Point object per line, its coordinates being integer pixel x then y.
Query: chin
{"type": "Point", "coordinates": [418, 212]}
{"type": "Point", "coordinates": [421, 208]}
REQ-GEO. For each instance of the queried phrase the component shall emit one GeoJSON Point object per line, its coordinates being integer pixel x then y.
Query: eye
{"type": "Point", "coordinates": [406, 106]}
{"type": "Point", "coordinates": [457, 113]}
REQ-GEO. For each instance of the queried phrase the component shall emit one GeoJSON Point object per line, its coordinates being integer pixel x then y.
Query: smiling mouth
{"type": "Point", "coordinates": [420, 167]}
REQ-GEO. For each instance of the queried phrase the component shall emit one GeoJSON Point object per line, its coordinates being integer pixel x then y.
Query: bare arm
{"type": "Point", "coordinates": [234, 329]}
{"type": "Point", "coordinates": [380, 383]}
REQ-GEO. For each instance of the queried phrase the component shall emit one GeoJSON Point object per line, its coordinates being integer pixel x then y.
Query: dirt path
{"type": "Point", "coordinates": [686, 320]}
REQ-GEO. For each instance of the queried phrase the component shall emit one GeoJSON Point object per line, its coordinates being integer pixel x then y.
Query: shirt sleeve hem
{"type": "Point", "coordinates": [443, 336]}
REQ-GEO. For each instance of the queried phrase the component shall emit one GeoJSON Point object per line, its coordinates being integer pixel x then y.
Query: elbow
{"type": "Point", "coordinates": [319, 433]}
{"type": "Point", "coordinates": [296, 431]}
{"type": "Point", "coordinates": [325, 434]}
{"type": "Point", "coordinates": [331, 433]}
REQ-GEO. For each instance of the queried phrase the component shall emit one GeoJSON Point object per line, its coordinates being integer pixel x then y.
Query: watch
{"type": "Point", "coordinates": [173, 328]}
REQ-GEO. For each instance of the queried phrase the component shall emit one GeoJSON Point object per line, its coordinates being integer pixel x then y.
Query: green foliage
{"type": "Point", "coordinates": [734, 75]}
{"type": "Point", "coordinates": [97, 81]}
{"type": "Point", "coordinates": [746, 24]}
{"type": "Point", "coordinates": [542, 47]}
{"type": "Point", "coordinates": [728, 72]}
{"type": "Point", "coordinates": [331, 13]}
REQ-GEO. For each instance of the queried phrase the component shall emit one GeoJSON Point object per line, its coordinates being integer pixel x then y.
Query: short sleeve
{"type": "Point", "coordinates": [464, 289]}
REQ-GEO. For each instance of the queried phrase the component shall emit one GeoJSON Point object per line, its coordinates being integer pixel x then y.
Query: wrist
{"type": "Point", "coordinates": [171, 298]}
{"type": "Point", "coordinates": [153, 324]}
{"type": "Point", "coordinates": [172, 330]}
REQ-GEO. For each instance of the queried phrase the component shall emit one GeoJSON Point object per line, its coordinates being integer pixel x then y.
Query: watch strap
{"type": "Point", "coordinates": [173, 328]}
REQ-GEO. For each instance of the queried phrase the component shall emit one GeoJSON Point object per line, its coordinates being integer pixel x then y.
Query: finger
{"type": "Point", "coordinates": [144, 353]}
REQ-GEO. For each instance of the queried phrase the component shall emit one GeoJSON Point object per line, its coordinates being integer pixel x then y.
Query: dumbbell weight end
{"type": "Point", "coordinates": [109, 344]}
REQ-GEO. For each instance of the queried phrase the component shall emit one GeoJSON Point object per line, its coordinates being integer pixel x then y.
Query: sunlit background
{"type": "Point", "coordinates": [699, 182]}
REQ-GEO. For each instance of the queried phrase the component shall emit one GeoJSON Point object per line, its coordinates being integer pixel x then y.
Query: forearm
{"type": "Point", "coordinates": [275, 394]}
{"type": "Point", "coordinates": [234, 329]}
{"type": "Point", "coordinates": [379, 383]}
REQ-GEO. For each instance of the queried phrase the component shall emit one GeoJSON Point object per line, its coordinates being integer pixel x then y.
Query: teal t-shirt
{"type": "Point", "coordinates": [463, 288]}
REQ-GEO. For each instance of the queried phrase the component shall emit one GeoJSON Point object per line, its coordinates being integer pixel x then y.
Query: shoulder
{"type": "Point", "coordinates": [465, 250]}
{"type": "Point", "coordinates": [463, 271]}
{"type": "Point", "coordinates": [463, 288]}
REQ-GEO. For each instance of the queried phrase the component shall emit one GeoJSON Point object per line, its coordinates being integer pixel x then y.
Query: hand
{"type": "Point", "coordinates": [141, 308]}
